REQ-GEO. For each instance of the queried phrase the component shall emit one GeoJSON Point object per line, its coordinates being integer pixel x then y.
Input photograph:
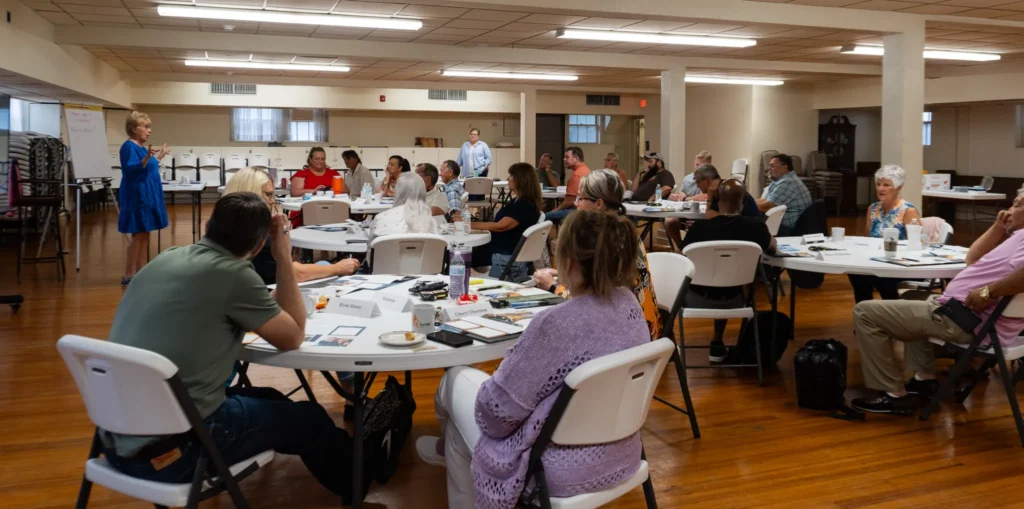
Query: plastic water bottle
{"type": "Point", "coordinates": [367, 191]}
{"type": "Point", "coordinates": [467, 224]}
{"type": "Point", "coordinates": [458, 272]}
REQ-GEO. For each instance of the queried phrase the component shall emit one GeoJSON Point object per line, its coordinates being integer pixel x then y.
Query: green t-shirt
{"type": "Point", "coordinates": [192, 304]}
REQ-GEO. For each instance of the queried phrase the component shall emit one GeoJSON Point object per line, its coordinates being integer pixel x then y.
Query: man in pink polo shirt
{"type": "Point", "coordinates": [995, 269]}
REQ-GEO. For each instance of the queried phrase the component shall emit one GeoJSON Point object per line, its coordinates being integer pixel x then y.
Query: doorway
{"type": "Point", "coordinates": [551, 140]}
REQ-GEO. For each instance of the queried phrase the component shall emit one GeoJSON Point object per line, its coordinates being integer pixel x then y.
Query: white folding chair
{"type": "Point", "coordinates": [530, 247]}
{"type": "Point", "coordinates": [210, 169]}
{"type": "Point", "coordinates": [186, 164]}
{"type": "Point", "coordinates": [131, 391]}
{"type": "Point", "coordinates": [407, 254]}
{"type": "Point", "coordinates": [671, 274]}
{"type": "Point", "coordinates": [995, 353]}
{"type": "Point", "coordinates": [440, 220]}
{"type": "Point", "coordinates": [259, 160]}
{"type": "Point", "coordinates": [480, 186]}
{"type": "Point", "coordinates": [739, 170]}
{"type": "Point", "coordinates": [725, 264]}
{"type": "Point", "coordinates": [325, 212]}
{"type": "Point", "coordinates": [773, 219]}
{"type": "Point", "coordinates": [601, 401]}
{"type": "Point", "coordinates": [232, 163]}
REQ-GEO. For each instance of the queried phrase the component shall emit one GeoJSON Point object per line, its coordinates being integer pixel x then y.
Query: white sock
{"type": "Point", "coordinates": [891, 395]}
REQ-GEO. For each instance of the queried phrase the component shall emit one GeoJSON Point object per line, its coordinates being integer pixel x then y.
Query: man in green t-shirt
{"type": "Point", "coordinates": [193, 304]}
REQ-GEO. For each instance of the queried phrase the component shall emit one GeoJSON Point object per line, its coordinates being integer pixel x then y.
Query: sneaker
{"type": "Point", "coordinates": [883, 403]}
{"type": "Point", "coordinates": [426, 447]}
{"type": "Point", "coordinates": [924, 388]}
{"type": "Point", "coordinates": [718, 351]}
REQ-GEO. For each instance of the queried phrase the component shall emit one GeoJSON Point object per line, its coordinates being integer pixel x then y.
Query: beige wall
{"type": "Point", "coordinates": [718, 119]}
{"type": "Point", "coordinates": [784, 119]}
{"type": "Point", "coordinates": [978, 139]}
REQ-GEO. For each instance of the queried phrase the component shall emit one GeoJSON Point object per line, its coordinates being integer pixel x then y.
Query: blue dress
{"type": "Point", "coordinates": [141, 196]}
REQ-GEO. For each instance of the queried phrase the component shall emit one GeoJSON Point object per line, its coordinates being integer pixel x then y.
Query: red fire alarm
{"type": "Point", "coordinates": [383, 98]}
{"type": "Point", "coordinates": [643, 103]}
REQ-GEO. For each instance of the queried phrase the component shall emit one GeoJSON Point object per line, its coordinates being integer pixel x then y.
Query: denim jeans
{"type": "Point", "coordinates": [252, 420]}
{"type": "Point", "coordinates": [498, 263]}
{"type": "Point", "coordinates": [556, 216]}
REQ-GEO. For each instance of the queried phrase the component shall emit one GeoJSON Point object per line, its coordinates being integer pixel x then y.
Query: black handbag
{"type": "Point", "coordinates": [387, 425]}
{"type": "Point", "coordinates": [820, 368]}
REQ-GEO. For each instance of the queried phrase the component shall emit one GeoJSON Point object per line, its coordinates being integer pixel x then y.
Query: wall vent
{"type": "Point", "coordinates": [602, 100]}
{"type": "Point", "coordinates": [446, 95]}
{"type": "Point", "coordinates": [232, 89]}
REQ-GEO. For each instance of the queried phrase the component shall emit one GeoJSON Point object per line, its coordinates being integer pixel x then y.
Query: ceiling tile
{"type": "Point", "coordinates": [488, 15]}
{"type": "Point", "coordinates": [285, 29]}
{"type": "Point", "coordinates": [934, 9]}
{"type": "Point", "coordinates": [174, 54]}
{"type": "Point", "coordinates": [147, 12]}
{"type": "Point", "coordinates": [985, 13]}
{"type": "Point", "coordinates": [964, 36]}
{"type": "Point", "coordinates": [757, 30]}
{"type": "Point", "coordinates": [976, 3]}
{"type": "Point", "coordinates": [825, 3]}
{"type": "Point", "coordinates": [219, 25]}
{"type": "Point", "coordinates": [313, 5]}
{"type": "Point", "coordinates": [883, 5]}
{"type": "Point", "coordinates": [605, 23]}
{"type": "Point", "coordinates": [474, 24]}
{"type": "Point", "coordinates": [386, 9]}
{"type": "Point", "coordinates": [315, 60]}
{"type": "Point", "coordinates": [377, 38]}
{"type": "Point", "coordinates": [440, 38]}
{"type": "Point", "coordinates": [552, 19]}
{"type": "Point", "coordinates": [657, 26]}
{"type": "Point", "coordinates": [58, 18]}
{"type": "Point", "coordinates": [802, 33]}
{"type": "Point", "coordinates": [39, 5]}
{"type": "Point", "coordinates": [225, 55]}
{"type": "Point", "coordinates": [844, 36]}
{"type": "Point", "coordinates": [342, 32]}
{"type": "Point", "coordinates": [706, 28]}
{"type": "Point", "coordinates": [464, 32]}
{"type": "Point", "coordinates": [239, 3]}
{"type": "Point", "coordinates": [430, 11]}
{"type": "Point", "coordinates": [169, 22]}
{"type": "Point", "coordinates": [111, 24]}
{"type": "Point", "coordinates": [75, 9]}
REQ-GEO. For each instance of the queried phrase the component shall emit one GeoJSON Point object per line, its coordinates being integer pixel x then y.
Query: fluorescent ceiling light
{"type": "Point", "coordinates": [295, 18]}
{"type": "Point", "coordinates": [971, 56]}
{"type": "Point", "coordinates": [266, 65]}
{"type": "Point", "coordinates": [510, 75]}
{"type": "Point", "coordinates": [618, 36]}
{"type": "Point", "coordinates": [733, 81]}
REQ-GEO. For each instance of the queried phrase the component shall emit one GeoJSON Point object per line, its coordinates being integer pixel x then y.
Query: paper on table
{"type": "Point", "coordinates": [463, 324]}
{"type": "Point", "coordinates": [503, 327]}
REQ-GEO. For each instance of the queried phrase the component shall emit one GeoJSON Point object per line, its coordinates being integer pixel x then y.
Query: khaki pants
{"type": "Point", "coordinates": [878, 322]}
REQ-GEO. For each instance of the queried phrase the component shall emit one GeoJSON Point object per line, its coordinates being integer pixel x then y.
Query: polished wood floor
{"type": "Point", "coordinates": [757, 450]}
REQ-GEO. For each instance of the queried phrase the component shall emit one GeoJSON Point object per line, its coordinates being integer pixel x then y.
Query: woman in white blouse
{"type": "Point", "coordinates": [411, 214]}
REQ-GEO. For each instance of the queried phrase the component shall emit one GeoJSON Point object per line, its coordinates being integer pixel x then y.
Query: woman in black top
{"type": "Point", "coordinates": [510, 222]}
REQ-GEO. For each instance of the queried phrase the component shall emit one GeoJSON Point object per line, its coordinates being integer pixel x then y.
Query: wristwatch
{"type": "Point", "coordinates": [553, 288]}
{"type": "Point", "coordinates": [984, 293]}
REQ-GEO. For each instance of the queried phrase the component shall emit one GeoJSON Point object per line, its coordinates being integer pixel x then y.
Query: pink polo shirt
{"type": "Point", "coordinates": [997, 264]}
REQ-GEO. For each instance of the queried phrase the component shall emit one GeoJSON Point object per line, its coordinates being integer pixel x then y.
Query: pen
{"type": "Point", "coordinates": [911, 259]}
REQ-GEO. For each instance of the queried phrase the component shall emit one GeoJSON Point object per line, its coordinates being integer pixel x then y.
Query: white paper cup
{"type": "Point", "coordinates": [838, 234]}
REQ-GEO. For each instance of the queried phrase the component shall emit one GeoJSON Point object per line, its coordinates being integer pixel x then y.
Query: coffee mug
{"type": "Point", "coordinates": [838, 234]}
{"type": "Point", "coordinates": [423, 318]}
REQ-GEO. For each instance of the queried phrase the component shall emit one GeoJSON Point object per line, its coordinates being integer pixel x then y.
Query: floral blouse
{"type": "Point", "coordinates": [879, 219]}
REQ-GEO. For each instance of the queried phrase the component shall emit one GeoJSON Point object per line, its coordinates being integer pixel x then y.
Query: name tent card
{"type": "Point", "coordinates": [814, 238]}
{"type": "Point", "coordinates": [393, 302]}
{"type": "Point", "coordinates": [351, 306]}
{"type": "Point", "coordinates": [453, 311]}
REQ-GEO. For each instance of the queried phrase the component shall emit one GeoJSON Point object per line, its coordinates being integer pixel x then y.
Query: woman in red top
{"type": "Point", "coordinates": [315, 176]}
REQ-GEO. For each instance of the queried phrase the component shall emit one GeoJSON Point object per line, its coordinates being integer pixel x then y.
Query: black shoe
{"type": "Point", "coordinates": [125, 281]}
{"type": "Point", "coordinates": [883, 403]}
{"type": "Point", "coordinates": [718, 351]}
{"type": "Point", "coordinates": [923, 388]}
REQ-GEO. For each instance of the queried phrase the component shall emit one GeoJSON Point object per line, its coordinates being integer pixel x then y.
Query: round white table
{"type": "Point", "coordinates": [555, 194]}
{"type": "Point", "coordinates": [859, 261]}
{"type": "Point", "coordinates": [354, 238]}
{"type": "Point", "coordinates": [669, 209]}
{"type": "Point", "coordinates": [365, 354]}
{"type": "Point", "coordinates": [357, 206]}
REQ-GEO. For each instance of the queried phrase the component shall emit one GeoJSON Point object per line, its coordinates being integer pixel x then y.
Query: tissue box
{"type": "Point", "coordinates": [936, 182]}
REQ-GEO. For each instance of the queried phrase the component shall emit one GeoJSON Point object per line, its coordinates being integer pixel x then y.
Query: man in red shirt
{"type": "Point", "coordinates": [573, 161]}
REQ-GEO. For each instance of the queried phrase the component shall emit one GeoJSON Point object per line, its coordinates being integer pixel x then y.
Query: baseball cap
{"type": "Point", "coordinates": [654, 155]}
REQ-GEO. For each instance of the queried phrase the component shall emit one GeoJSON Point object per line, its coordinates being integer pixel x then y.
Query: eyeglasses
{"type": "Point", "coordinates": [580, 198]}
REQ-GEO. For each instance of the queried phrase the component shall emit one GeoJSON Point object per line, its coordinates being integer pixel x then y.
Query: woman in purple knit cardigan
{"type": "Point", "coordinates": [490, 423]}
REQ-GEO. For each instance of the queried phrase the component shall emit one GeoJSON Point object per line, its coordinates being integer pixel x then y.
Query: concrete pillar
{"type": "Point", "coordinates": [528, 126]}
{"type": "Point", "coordinates": [903, 106]}
{"type": "Point", "coordinates": [673, 121]}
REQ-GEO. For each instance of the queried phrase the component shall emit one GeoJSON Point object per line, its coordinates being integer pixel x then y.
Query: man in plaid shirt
{"type": "Point", "coordinates": [786, 189]}
{"type": "Point", "coordinates": [452, 188]}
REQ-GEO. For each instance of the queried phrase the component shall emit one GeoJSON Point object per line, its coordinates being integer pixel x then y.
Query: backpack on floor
{"type": "Point", "coordinates": [820, 368]}
{"type": "Point", "coordinates": [744, 352]}
{"type": "Point", "coordinates": [387, 422]}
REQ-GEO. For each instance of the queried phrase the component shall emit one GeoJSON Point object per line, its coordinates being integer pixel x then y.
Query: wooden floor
{"type": "Point", "coordinates": [757, 450]}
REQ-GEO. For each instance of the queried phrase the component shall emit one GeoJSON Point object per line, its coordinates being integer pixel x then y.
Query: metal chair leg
{"type": "Point", "coordinates": [946, 387]}
{"type": "Point", "coordinates": [649, 497]}
{"type": "Point", "coordinates": [1011, 394]}
{"type": "Point", "coordinates": [86, 488]}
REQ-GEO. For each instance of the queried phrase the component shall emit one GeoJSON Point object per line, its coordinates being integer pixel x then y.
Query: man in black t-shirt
{"type": "Point", "coordinates": [727, 225]}
{"type": "Point", "coordinates": [708, 180]}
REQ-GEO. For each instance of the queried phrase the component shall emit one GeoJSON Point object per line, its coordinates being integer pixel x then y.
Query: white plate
{"type": "Point", "coordinates": [397, 338]}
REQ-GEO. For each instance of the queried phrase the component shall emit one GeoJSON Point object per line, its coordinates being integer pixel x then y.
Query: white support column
{"type": "Point", "coordinates": [673, 120]}
{"type": "Point", "coordinates": [528, 126]}
{"type": "Point", "coordinates": [903, 105]}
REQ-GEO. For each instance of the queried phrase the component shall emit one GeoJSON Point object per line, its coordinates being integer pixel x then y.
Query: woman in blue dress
{"type": "Point", "coordinates": [141, 196]}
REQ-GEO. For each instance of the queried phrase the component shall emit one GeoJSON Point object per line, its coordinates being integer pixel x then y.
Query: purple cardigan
{"type": "Point", "coordinates": [512, 406]}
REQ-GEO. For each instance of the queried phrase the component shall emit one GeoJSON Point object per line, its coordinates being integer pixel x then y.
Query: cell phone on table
{"type": "Point", "coordinates": [452, 339]}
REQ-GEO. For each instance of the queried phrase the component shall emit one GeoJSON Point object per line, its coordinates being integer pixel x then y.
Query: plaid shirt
{"type": "Point", "coordinates": [791, 192]}
{"type": "Point", "coordinates": [454, 190]}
